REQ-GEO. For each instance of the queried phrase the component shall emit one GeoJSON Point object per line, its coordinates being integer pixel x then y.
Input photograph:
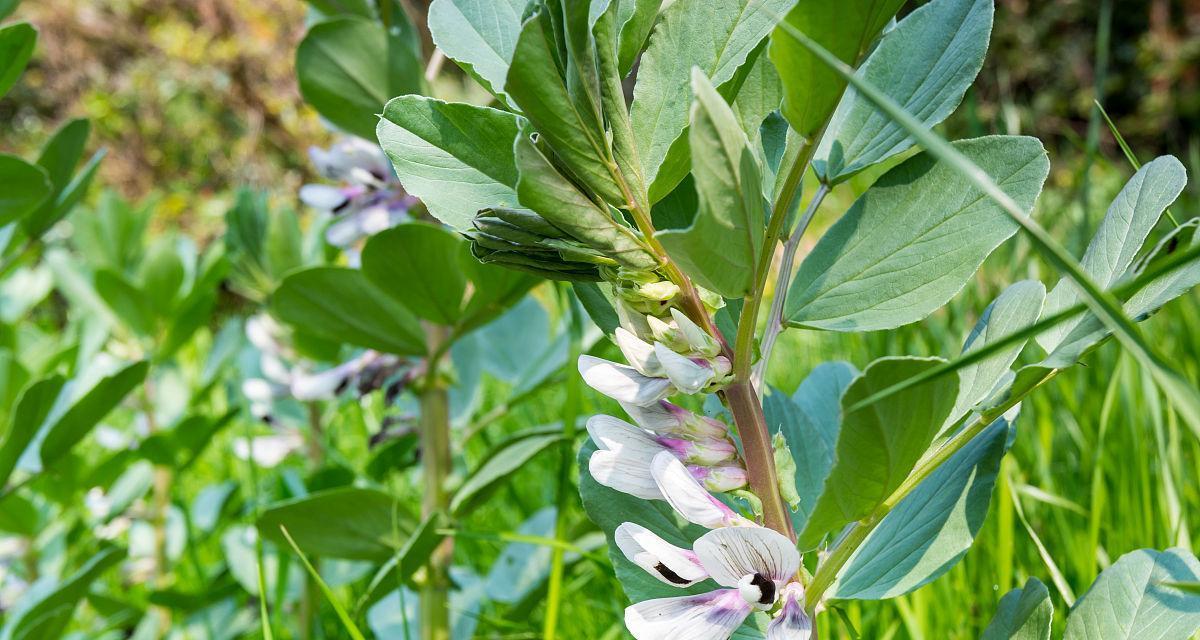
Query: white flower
{"type": "Point", "coordinates": [753, 563]}
{"type": "Point", "coordinates": [683, 492]}
{"type": "Point", "coordinates": [622, 383]}
{"type": "Point", "coordinates": [659, 558]}
{"type": "Point", "coordinates": [626, 454]}
{"type": "Point", "coordinates": [268, 451]}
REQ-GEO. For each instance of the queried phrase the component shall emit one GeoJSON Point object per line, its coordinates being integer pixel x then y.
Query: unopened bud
{"type": "Point", "coordinates": [703, 451]}
{"type": "Point", "coordinates": [719, 479]}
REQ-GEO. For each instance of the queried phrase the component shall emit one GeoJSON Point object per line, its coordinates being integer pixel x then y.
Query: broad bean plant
{"type": "Point", "coordinates": [653, 155]}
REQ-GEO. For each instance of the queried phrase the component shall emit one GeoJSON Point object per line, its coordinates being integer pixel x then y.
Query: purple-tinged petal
{"type": "Point", "coordinates": [709, 616]}
{"type": "Point", "coordinates": [791, 623]}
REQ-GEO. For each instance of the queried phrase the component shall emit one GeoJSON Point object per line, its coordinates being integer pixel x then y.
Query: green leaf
{"type": "Point", "coordinates": [811, 90]}
{"type": "Point", "coordinates": [26, 187]}
{"type": "Point", "coordinates": [506, 459]}
{"type": "Point", "coordinates": [350, 522]}
{"type": "Point", "coordinates": [7, 7]}
{"type": "Point", "coordinates": [480, 35]}
{"type": "Point", "coordinates": [47, 616]}
{"type": "Point", "coordinates": [930, 530]}
{"type": "Point", "coordinates": [810, 420]}
{"type": "Point", "coordinates": [878, 445]}
{"type": "Point", "coordinates": [62, 153]}
{"type": "Point", "coordinates": [721, 248]}
{"type": "Point", "coordinates": [162, 275]}
{"type": "Point", "coordinates": [1023, 614]}
{"type": "Point", "coordinates": [716, 37]}
{"type": "Point", "coordinates": [913, 239]}
{"type": "Point", "coordinates": [636, 19]}
{"type": "Point", "coordinates": [598, 304]}
{"type": "Point", "coordinates": [59, 158]}
{"type": "Point", "coordinates": [344, 305]}
{"type": "Point", "coordinates": [1129, 220]}
{"type": "Point", "coordinates": [348, 68]}
{"type": "Point", "coordinates": [32, 409]}
{"type": "Point", "coordinates": [495, 289]}
{"type": "Point", "coordinates": [1131, 600]}
{"type": "Point", "coordinates": [569, 120]}
{"type": "Point", "coordinates": [456, 157]}
{"type": "Point", "coordinates": [16, 47]}
{"type": "Point", "coordinates": [417, 265]}
{"type": "Point", "coordinates": [550, 194]}
{"type": "Point", "coordinates": [126, 301]}
{"type": "Point", "coordinates": [1017, 307]}
{"type": "Point", "coordinates": [926, 64]}
{"type": "Point", "coordinates": [1180, 391]}
{"type": "Point", "coordinates": [70, 428]}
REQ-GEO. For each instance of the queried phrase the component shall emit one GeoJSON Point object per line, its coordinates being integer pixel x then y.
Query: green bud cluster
{"type": "Point", "coordinates": [523, 240]}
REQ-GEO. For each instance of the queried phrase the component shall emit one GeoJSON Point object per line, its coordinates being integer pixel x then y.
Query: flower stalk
{"type": "Point", "coordinates": [436, 466]}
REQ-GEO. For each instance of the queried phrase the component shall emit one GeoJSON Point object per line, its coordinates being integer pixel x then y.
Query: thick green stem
{"type": "Point", "coordinates": [436, 464]}
{"type": "Point", "coordinates": [829, 569]}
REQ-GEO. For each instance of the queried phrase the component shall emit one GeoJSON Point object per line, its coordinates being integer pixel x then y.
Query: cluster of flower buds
{"type": "Point", "coordinates": [368, 200]}
{"type": "Point", "coordinates": [287, 376]}
{"type": "Point", "coordinates": [665, 357]}
{"type": "Point", "coordinates": [521, 239]}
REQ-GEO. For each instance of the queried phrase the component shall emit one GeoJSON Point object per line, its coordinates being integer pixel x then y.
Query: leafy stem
{"type": "Point", "coordinates": [828, 571]}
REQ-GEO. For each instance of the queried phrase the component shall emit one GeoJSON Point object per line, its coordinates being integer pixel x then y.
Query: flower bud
{"type": "Point", "coordinates": [719, 479]}
{"type": "Point", "coordinates": [702, 451]}
{"type": "Point", "coordinates": [638, 353]}
{"type": "Point", "coordinates": [696, 338]}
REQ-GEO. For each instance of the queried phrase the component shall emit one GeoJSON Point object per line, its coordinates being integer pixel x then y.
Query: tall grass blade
{"type": "Point", "coordinates": [351, 629]}
{"type": "Point", "coordinates": [1182, 394]}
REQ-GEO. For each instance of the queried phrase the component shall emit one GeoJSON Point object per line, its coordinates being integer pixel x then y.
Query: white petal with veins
{"type": "Point", "coordinates": [731, 554]}
{"type": "Point", "coordinates": [661, 559]}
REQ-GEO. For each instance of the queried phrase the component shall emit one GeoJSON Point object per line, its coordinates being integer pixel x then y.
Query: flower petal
{"type": "Point", "coordinates": [625, 473]}
{"type": "Point", "coordinates": [323, 385]}
{"type": "Point", "coordinates": [638, 352]}
{"type": "Point", "coordinates": [685, 374]}
{"type": "Point", "coordinates": [659, 417]}
{"type": "Point", "coordinates": [323, 196]}
{"type": "Point", "coordinates": [791, 623]}
{"type": "Point", "coordinates": [733, 553]}
{"type": "Point", "coordinates": [685, 494]}
{"type": "Point", "coordinates": [622, 383]}
{"type": "Point", "coordinates": [709, 616]}
{"type": "Point", "coordinates": [661, 559]}
{"type": "Point", "coordinates": [615, 434]}
{"type": "Point", "coordinates": [697, 338]}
